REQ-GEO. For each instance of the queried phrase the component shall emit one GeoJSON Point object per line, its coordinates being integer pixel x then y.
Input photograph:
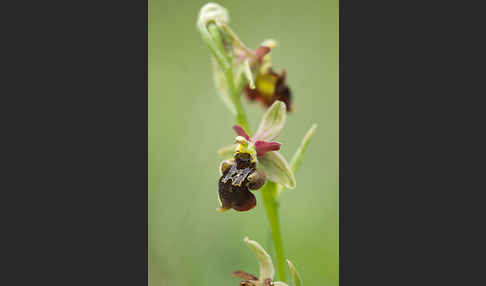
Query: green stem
{"type": "Point", "coordinates": [225, 62]}
{"type": "Point", "coordinates": [236, 98]}
{"type": "Point", "coordinates": [269, 192]}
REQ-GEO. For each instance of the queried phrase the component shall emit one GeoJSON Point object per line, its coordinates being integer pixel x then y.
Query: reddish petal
{"type": "Point", "coordinates": [262, 147]}
{"type": "Point", "coordinates": [261, 52]}
{"type": "Point", "coordinates": [240, 131]}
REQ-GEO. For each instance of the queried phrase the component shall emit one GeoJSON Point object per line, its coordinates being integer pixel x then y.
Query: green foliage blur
{"type": "Point", "coordinates": [189, 242]}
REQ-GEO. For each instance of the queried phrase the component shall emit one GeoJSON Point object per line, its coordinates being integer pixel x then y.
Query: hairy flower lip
{"type": "Point", "coordinates": [261, 146]}
{"type": "Point", "coordinates": [237, 178]}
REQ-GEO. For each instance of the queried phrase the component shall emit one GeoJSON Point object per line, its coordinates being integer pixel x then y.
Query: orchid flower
{"type": "Point", "coordinates": [254, 160]}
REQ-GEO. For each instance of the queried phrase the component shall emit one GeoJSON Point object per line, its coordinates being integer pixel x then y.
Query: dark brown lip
{"type": "Point", "coordinates": [233, 185]}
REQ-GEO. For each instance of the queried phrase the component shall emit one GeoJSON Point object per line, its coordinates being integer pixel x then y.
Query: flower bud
{"type": "Point", "coordinates": [212, 12]}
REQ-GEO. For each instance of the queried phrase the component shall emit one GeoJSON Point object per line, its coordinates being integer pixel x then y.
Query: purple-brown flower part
{"type": "Point", "coordinates": [261, 52]}
{"type": "Point", "coordinates": [233, 184]}
{"type": "Point", "coordinates": [270, 87]}
{"type": "Point", "coordinates": [261, 146]}
{"type": "Point", "coordinates": [240, 131]}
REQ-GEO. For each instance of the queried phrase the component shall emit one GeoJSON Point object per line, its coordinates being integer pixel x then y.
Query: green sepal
{"type": "Point", "coordinates": [272, 123]}
{"type": "Point", "coordinates": [277, 169]}
{"type": "Point", "coordinates": [264, 260]}
{"type": "Point", "coordinates": [295, 275]}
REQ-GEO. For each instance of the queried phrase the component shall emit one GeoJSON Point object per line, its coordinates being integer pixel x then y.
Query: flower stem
{"type": "Point", "coordinates": [224, 61]}
{"type": "Point", "coordinates": [235, 93]}
{"type": "Point", "coordinates": [269, 192]}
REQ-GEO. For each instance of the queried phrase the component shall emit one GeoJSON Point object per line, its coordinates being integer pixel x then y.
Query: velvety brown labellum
{"type": "Point", "coordinates": [233, 189]}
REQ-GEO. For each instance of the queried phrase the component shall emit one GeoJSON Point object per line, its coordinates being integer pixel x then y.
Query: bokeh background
{"type": "Point", "coordinates": [189, 242]}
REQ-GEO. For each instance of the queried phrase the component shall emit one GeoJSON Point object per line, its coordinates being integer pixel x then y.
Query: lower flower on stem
{"type": "Point", "coordinates": [267, 271]}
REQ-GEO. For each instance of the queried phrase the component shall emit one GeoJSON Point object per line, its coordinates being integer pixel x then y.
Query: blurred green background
{"type": "Point", "coordinates": [189, 242]}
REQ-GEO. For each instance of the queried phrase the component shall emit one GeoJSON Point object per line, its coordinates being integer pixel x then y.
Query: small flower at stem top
{"type": "Point", "coordinates": [254, 160]}
{"type": "Point", "coordinates": [269, 87]}
{"type": "Point", "coordinates": [238, 68]}
{"type": "Point", "coordinates": [264, 84]}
